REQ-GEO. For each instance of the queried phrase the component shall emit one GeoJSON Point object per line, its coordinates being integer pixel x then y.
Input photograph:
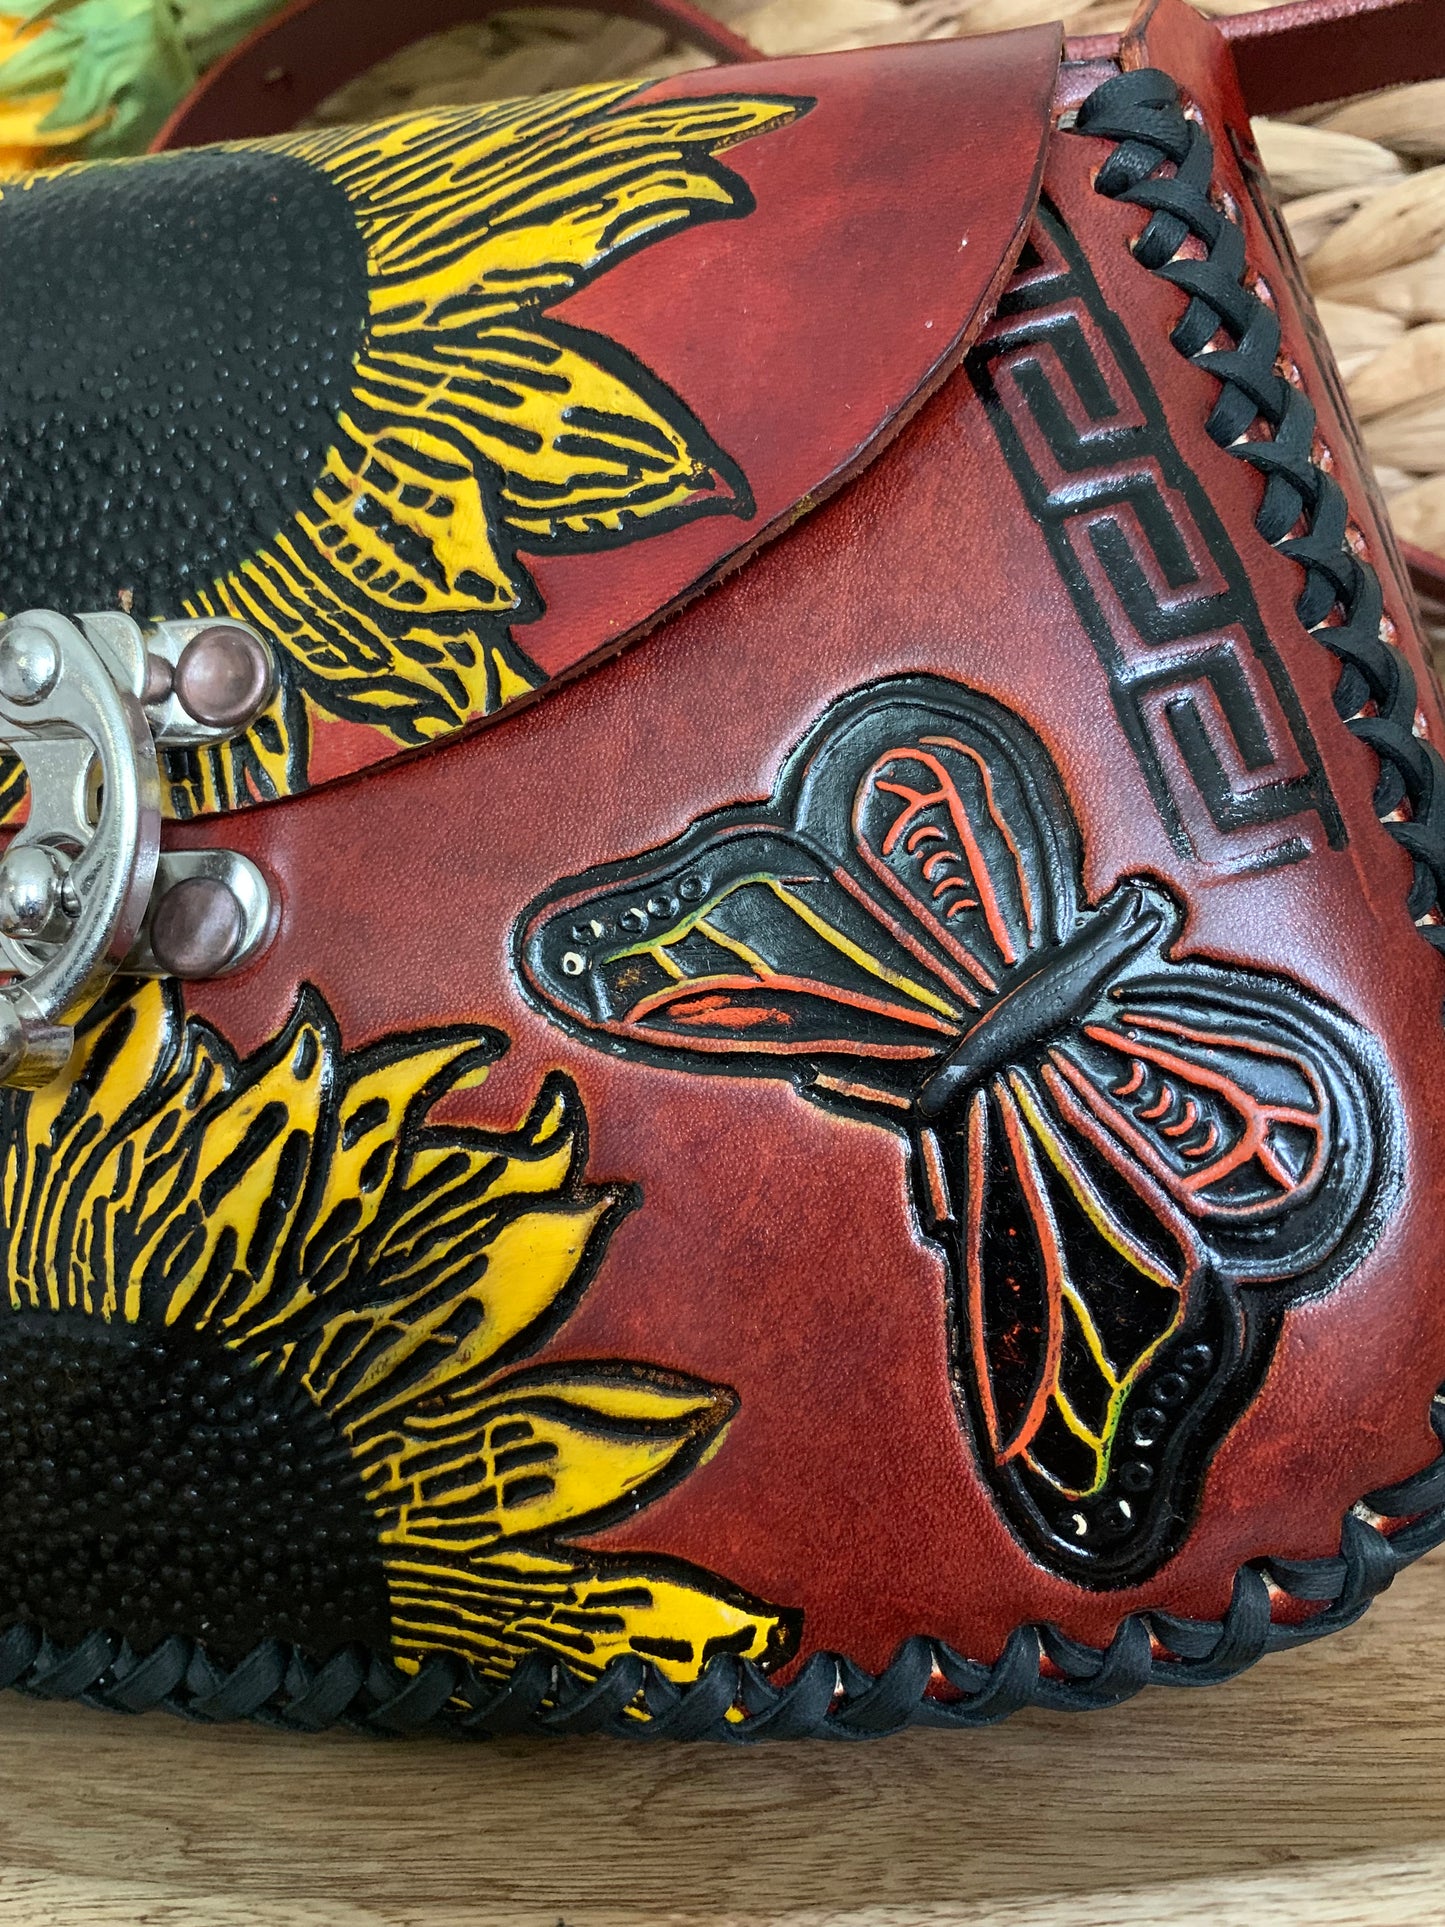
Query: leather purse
{"type": "Point", "coordinates": [724, 907]}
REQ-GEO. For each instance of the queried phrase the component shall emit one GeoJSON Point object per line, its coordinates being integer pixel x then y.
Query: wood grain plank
{"type": "Point", "coordinates": [1308, 1791]}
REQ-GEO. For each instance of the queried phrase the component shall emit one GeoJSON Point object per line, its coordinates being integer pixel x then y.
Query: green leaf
{"type": "Point", "coordinates": [210, 28]}
{"type": "Point", "coordinates": [120, 62]}
{"type": "Point", "coordinates": [130, 63]}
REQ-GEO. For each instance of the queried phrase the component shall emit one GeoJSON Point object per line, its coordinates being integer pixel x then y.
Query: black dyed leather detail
{"type": "Point", "coordinates": [161, 418]}
{"type": "Point", "coordinates": [1164, 163]}
{"type": "Point", "coordinates": [829, 1698]}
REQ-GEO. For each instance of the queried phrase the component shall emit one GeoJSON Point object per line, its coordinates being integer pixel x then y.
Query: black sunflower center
{"type": "Point", "coordinates": [150, 1487]}
{"type": "Point", "coordinates": [176, 340]}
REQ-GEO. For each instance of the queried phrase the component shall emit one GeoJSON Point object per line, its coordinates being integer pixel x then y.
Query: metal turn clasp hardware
{"type": "Point", "coordinates": [85, 889]}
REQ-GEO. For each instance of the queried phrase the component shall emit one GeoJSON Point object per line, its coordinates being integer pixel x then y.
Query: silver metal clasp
{"type": "Point", "coordinates": [85, 889]}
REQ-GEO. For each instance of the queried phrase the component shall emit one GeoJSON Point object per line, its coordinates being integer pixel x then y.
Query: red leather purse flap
{"type": "Point", "coordinates": [887, 217]}
{"type": "Point", "coordinates": [470, 399]}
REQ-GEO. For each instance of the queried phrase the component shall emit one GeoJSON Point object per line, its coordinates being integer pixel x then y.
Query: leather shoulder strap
{"type": "Point", "coordinates": [1287, 56]}
{"type": "Point", "coordinates": [290, 64]}
{"type": "Point", "coordinates": [1311, 50]}
{"type": "Point", "coordinates": [1318, 49]}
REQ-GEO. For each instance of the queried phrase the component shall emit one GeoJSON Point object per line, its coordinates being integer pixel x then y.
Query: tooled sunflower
{"type": "Point", "coordinates": [314, 384]}
{"type": "Point", "coordinates": [260, 1362]}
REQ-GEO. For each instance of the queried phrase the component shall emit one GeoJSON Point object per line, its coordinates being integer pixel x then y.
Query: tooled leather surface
{"type": "Point", "coordinates": [1179, 42]}
{"type": "Point", "coordinates": [775, 1249]}
{"type": "Point", "coordinates": [802, 332]}
{"type": "Point", "coordinates": [753, 320]}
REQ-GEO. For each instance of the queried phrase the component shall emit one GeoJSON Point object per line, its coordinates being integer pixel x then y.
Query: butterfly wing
{"type": "Point", "coordinates": [1257, 1110]}
{"type": "Point", "coordinates": [1076, 1293]}
{"type": "Point", "coordinates": [744, 946]}
{"type": "Point", "coordinates": [916, 851]}
{"type": "Point", "coordinates": [946, 807]}
{"type": "Point", "coordinates": [1199, 1132]}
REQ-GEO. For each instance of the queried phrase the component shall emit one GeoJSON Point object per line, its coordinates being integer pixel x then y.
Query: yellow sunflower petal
{"type": "Point", "coordinates": [573, 229]}
{"type": "Point", "coordinates": [456, 1321]}
{"type": "Point", "coordinates": [584, 1610]}
{"type": "Point", "coordinates": [590, 448]}
{"type": "Point", "coordinates": [410, 541]}
{"type": "Point", "coordinates": [397, 172]}
{"type": "Point", "coordinates": [541, 1453]}
{"type": "Point", "coordinates": [412, 676]}
{"type": "Point", "coordinates": [680, 1626]}
{"type": "Point", "coordinates": [247, 1181]}
{"type": "Point", "coordinates": [363, 1162]}
{"type": "Point", "coordinates": [543, 1165]}
{"type": "Point", "coordinates": [390, 590]}
{"type": "Point", "coordinates": [714, 121]}
{"type": "Point", "coordinates": [51, 1169]}
{"type": "Point", "coordinates": [527, 206]}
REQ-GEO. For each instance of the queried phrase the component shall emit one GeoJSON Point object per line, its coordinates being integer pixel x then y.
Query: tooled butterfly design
{"type": "Point", "coordinates": [1133, 1162]}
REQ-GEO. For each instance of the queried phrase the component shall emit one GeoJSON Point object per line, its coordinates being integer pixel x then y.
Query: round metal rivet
{"type": "Point", "coordinates": [633, 919]}
{"type": "Point", "coordinates": [197, 928]}
{"type": "Point", "coordinates": [223, 677]}
{"type": "Point", "coordinates": [1170, 1389]}
{"type": "Point", "coordinates": [160, 678]}
{"type": "Point", "coordinates": [29, 890]}
{"type": "Point", "coordinates": [690, 889]}
{"type": "Point", "coordinates": [29, 666]}
{"type": "Point", "coordinates": [1135, 1475]}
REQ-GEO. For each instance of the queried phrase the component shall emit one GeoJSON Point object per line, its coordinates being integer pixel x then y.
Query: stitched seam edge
{"type": "Point", "coordinates": [928, 1683]}
{"type": "Point", "coordinates": [1262, 418]}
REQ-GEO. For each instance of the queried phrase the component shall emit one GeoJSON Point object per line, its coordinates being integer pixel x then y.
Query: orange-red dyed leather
{"type": "Point", "coordinates": [776, 1249]}
{"type": "Point", "coordinates": [806, 334]}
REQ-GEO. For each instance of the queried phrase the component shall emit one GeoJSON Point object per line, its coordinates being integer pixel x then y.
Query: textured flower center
{"type": "Point", "coordinates": [179, 340]}
{"type": "Point", "coordinates": [163, 1485]}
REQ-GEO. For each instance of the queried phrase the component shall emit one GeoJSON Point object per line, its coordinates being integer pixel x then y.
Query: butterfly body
{"type": "Point", "coordinates": [1048, 999]}
{"type": "Point", "coordinates": [1132, 1160]}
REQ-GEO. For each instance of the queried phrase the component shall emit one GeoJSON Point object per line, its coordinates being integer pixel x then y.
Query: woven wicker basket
{"type": "Point", "coordinates": [1363, 182]}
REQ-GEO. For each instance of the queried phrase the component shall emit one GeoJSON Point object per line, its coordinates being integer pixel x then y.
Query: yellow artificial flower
{"type": "Point", "coordinates": [25, 141]}
{"type": "Point", "coordinates": [84, 78]}
{"type": "Point", "coordinates": [40, 122]}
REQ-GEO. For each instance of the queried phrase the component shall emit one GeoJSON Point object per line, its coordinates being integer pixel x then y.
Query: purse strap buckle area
{"type": "Point", "coordinates": [85, 889]}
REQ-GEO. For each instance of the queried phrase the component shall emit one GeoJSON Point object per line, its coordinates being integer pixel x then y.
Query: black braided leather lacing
{"type": "Point", "coordinates": [928, 1683]}
{"type": "Point", "coordinates": [829, 1698]}
{"type": "Point", "coordinates": [1164, 162]}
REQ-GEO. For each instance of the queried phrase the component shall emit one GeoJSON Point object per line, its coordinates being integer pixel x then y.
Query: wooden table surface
{"type": "Point", "coordinates": [1308, 1791]}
